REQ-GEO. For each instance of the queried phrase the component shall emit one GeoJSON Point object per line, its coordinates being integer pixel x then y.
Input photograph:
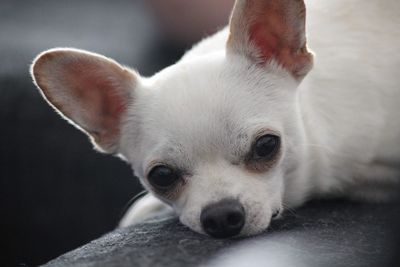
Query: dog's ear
{"type": "Point", "coordinates": [271, 30]}
{"type": "Point", "coordinates": [90, 90]}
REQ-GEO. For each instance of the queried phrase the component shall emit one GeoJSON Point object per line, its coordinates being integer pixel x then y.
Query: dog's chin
{"type": "Point", "coordinates": [246, 232]}
{"type": "Point", "coordinates": [254, 229]}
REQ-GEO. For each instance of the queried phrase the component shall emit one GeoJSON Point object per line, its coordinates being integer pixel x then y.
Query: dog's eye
{"type": "Point", "coordinates": [163, 177]}
{"type": "Point", "coordinates": [266, 147]}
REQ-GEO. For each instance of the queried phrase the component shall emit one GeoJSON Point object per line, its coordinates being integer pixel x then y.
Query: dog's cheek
{"type": "Point", "coordinates": [260, 200]}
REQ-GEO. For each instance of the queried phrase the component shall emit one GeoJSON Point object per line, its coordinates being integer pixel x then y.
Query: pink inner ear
{"type": "Point", "coordinates": [94, 88]}
{"type": "Point", "coordinates": [268, 26]}
{"type": "Point", "coordinates": [266, 42]}
{"type": "Point", "coordinates": [91, 90]}
{"type": "Point", "coordinates": [276, 31]}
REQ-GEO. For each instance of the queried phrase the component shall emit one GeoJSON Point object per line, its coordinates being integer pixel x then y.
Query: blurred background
{"type": "Point", "coordinates": [56, 192]}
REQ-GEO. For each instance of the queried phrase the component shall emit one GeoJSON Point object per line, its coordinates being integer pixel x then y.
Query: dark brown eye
{"type": "Point", "coordinates": [163, 177]}
{"type": "Point", "coordinates": [266, 147]}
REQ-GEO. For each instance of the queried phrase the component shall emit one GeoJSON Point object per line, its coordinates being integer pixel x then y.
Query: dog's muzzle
{"type": "Point", "coordinates": [223, 219]}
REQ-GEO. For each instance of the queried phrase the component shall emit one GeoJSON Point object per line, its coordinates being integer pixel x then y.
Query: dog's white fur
{"type": "Point", "coordinates": [339, 126]}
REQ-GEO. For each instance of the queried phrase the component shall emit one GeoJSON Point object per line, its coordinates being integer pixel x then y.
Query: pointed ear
{"type": "Point", "coordinates": [89, 90]}
{"type": "Point", "coordinates": [271, 30]}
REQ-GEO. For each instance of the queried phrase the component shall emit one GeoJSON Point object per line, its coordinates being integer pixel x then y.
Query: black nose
{"type": "Point", "coordinates": [223, 219]}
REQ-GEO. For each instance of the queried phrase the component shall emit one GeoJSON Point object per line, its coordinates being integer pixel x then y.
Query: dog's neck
{"type": "Point", "coordinates": [316, 173]}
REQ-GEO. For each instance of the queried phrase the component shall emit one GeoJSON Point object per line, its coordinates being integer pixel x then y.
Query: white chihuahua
{"type": "Point", "coordinates": [241, 128]}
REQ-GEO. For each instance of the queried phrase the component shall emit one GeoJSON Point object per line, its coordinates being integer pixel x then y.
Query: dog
{"type": "Point", "coordinates": [249, 122]}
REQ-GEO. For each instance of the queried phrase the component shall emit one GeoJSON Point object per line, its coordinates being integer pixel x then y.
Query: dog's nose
{"type": "Point", "coordinates": [223, 219]}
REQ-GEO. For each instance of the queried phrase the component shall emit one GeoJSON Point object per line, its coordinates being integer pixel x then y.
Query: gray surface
{"type": "Point", "coordinates": [328, 233]}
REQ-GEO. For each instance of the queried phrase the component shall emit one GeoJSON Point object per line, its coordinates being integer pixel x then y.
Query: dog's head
{"type": "Point", "coordinates": [215, 136]}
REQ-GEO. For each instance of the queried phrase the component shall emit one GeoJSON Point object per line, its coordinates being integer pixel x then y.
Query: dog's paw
{"type": "Point", "coordinates": [144, 208]}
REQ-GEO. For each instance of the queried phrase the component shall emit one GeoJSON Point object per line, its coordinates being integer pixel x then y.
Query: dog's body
{"type": "Point", "coordinates": [338, 124]}
{"type": "Point", "coordinates": [350, 101]}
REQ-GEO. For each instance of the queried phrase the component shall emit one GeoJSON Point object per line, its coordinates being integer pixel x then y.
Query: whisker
{"type": "Point", "coordinates": [288, 209]}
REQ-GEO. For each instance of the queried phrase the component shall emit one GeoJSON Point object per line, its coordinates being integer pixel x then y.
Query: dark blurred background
{"type": "Point", "coordinates": [56, 192]}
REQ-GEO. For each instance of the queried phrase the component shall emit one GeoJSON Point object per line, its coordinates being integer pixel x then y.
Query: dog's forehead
{"type": "Point", "coordinates": [213, 88]}
{"type": "Point", "coordinates": [208, 106]}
